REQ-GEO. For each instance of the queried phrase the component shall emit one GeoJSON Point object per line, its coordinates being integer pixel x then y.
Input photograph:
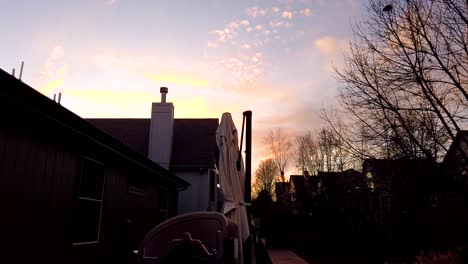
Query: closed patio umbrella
{"type": "Point", "coordinates": [231, 180]}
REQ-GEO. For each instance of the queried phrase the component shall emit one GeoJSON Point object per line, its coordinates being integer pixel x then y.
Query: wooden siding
{"type": "Point", "coordinates": [37, 191]}
{"type": "Point", "coordinates": [39, 170]}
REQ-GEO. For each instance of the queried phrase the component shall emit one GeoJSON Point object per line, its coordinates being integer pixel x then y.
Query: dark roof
{"type": "Point", "coordinates": [342, 182]}
{"type": "Point", "coordinates": [459, 143]}
{"type": "Point", "coordinates": [400, 173]}
{"type": "Point", "coordinates": [132, 132]}
{"type": "Point", "coordinates": [329, 180]}
{"type": "Point", "coordinates": [18, 96]}
{"type": "Point", "coordinates": [194, 140]}
{"type": "Point", "coordinates": [305, 183]}
{"type": "Point", "coordinates": [281, 188]}
{"type": "Point", "coordinates": [194, 143]}
{"type": "Point", "coordinates": [298, 181]}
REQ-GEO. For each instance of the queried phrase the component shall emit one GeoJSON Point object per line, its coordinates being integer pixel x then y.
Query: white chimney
{"type": "Point", "coordinates": [160, 137]}
{"type": "Point", "coordinates": [163, 91]}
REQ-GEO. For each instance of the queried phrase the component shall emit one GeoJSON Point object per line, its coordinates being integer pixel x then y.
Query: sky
{"type": "Point", "coordinates": [108, 58]}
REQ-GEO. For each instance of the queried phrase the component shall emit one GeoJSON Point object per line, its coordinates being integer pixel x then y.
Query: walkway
{"type": "Point", "coordinates": [279, 256]}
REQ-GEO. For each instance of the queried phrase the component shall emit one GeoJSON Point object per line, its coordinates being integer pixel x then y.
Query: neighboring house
{"type": "Point", "coordinates": [455, 164]}
{"type": "Point", "coordinates": [453, 197]}
{"type": "Point", "coordinates": [329, 182]}
{"type": "Point", "coordinates": [303, 187]}
{"type": "Point", "coordinates": [297, 188]}
{"type": "Point", "coordinates": [300, 192]}
{"type": "Point", "coordinates": [282, 192]}
{"type": "Point", "coordinates": [343, 182]}
{"type": "Point", "coordinates": [402, 188]}
{"type": "Point", "coordinates": [186, 147]}
{"type": "Point", "coordinates": [400, 175]}
{"type": "Point", "coordinates": [70, 192]}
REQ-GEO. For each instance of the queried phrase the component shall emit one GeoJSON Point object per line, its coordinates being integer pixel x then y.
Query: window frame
{"type": "Point", "coordinates": [101, 201]}
{"type": "Point", "coordinates": [165, 208]}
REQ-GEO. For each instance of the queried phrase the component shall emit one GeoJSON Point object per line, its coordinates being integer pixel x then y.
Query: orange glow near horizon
{"type": "Point", "coordinates": [52, 85]}
{"type": "Point", "coordinates": [193, 107]}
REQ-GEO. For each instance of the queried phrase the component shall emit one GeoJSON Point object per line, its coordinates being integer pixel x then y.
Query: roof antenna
{"type": "Point", "coordinates": [59, 98]}
{"type": "Point", "coordinates": [13, 72]}
{"type": "Point", "coordinates": [21, 70]}
{"type": "Point", "coordinates": [54, 97]}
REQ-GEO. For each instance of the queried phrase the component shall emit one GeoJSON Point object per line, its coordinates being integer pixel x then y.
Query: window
{"type": "Point", "coordinates": [88, 209]}
{"type": "Point", "coordinates": [136, 185]}
{"type": "Point", "coordinates": [163, 212]}
{"type": "Point", "coordinates": [370, 181]}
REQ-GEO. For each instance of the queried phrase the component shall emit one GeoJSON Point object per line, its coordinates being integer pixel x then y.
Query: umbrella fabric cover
{"type": "Point", "coordinates": [230, 179]}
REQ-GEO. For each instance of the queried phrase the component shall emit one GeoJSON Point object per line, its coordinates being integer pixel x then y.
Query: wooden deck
{"type": "Point", "coordinates": [280, 256]}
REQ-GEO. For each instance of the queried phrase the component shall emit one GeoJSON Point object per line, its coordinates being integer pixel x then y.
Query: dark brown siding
{"type": "Point", "coordinates": [42, 146]}
{"type": "Point", "coordinates": [37, 191]}
{"type": "Point", "coordinates": [40, 172]}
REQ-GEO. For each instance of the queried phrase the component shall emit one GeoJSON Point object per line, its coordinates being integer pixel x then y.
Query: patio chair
{"type": "Point", "coordinates": [189, 238]}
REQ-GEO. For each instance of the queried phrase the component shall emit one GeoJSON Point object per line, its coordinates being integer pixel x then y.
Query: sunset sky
{"type": "Point", "coordinates": [109, 57]}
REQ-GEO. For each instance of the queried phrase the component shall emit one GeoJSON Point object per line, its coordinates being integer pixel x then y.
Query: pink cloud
{"type": "Point", "coordinates": [306, 12]}
{"type": "Point", "coordinates": [287, 14]}
{"type": "Point", "coordinates": [255, 11]}
{"type": "Point", "coordinates": [110, 2]}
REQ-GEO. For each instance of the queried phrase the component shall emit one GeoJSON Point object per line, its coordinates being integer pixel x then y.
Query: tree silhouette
{"type": "Point", "coordinates": [280, 148]}
{"type": "Point", "coordinates": [265, 177]}
{"type": "Point", "coordinates": [405, 76]}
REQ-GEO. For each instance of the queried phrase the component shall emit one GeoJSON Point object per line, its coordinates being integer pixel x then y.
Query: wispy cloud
{"type": "Point", "coordinates": [256, 11]}
{"type": "Point", "coordinates": [331, 49]}
{"type": "Point", "coordinates": [326, 45]}
{"type": "Point", "coordinates": [240, 71]}
{"type": "Point", "coordinates": [110, 2]}
{"type": "Point", "coordinates": [52, 73]}
{"type": "Point", "coordinates": [287, 14]}
{"type": "Point", "coordinates": [306, 12]}
{"type": "Point", "coordinates": [330, 45]}
{"type": "Point", "coordinates": [261, 28]}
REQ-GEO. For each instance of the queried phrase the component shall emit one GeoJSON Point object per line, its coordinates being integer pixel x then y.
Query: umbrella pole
{"type": "Point", "coordinates": [248, 156]}
{"type": "Point", "coordinates": [249, 255]}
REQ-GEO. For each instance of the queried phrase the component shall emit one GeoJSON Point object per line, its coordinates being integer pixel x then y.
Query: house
{"type": "Point", "coordinates": [186, 147]}
{"type": "Point", "coordinates": [401, 184]}
{"type": "Point", "coordinates": [453, 195]}
{"type": "Point", "coordinates": [455, 164]}
{"type": "Point", "coordinates": [400, 175]}
{"type": "Point", "coordinates": [403, 192]}
{"type": "Point", "coordinates": [300, 192]}
{"type": "Point", "coordinates": [282, 192]}
{"type": "Point", "coordinates": [70, 192]}
{"type": "Point", "coordinates": [339, 183]}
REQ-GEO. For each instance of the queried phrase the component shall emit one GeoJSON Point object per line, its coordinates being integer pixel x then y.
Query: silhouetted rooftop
{"type": "Point", "coordinates": [194, 140]}
{"type": "Point", "coordinates": [19, 98]}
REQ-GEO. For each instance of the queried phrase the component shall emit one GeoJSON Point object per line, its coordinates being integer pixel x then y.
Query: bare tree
{"type": "Point", "coordinates": [308, 154]}
{"type": "Point", "coordinates": [405, 75]}
{"type": "Point", "coordinates": [281, 148]}
{"type": "Point", "coordinates": [265, 177]}
{"type": "Point", "coordinates": [321, 151]}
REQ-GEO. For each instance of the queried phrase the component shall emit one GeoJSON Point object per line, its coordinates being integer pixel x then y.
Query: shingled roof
{"type": "Point", "coordinates": [194, 140]}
